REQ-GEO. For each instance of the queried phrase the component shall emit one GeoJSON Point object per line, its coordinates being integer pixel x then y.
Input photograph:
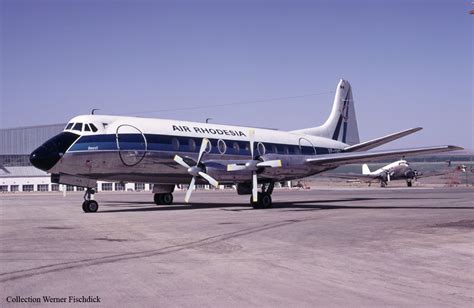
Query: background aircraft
{"type": "Point", "coordinates": [398, 170]}
{"type": "Point", "coordinates": [170, 152]}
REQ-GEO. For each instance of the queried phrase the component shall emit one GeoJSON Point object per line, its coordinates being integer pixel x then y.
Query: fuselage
{"type": "Point", "coordinates": [397, 170]}
{"type": "Point", "coordinates": [132, 149]}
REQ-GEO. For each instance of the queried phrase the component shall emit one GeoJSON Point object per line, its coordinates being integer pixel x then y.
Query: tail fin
{"type": "Point", "coordinates": [342, 123]}
{"type": "Point", "coordinates": [365, 169]}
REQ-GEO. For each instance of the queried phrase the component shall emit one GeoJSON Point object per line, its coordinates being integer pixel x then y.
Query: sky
{"type": "Point", "coordinates": [269, 64]}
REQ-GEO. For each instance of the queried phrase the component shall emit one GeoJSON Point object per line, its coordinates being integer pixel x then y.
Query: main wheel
{"type": "Point", "coordinates": [264, 201]}
{"type": "Point", "coordinates": [166, 198]}
{"type": "Point", "coordinates": [157, 199]}
{"type": "Point", "coordinates": [85, 206]}
{"type": "Point", "coordinates": [90, 206]}
{"type": "Point", "coordinates": [409, 183]}
{"type": "Point", "coordinates": [255, 205]}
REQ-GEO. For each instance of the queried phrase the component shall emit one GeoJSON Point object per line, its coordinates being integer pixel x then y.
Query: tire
{"type": "Point", "coordinates": [255, 205]}
{"type": "Point", "coordinates": [85, 206]}
{"type": "Point", "coordinates": [409, 183]}
{"type": "Point", "coordinates": [166, 199]}
{"type": "Point", "coordinates": [157, 199]}
{"type": "Point", "coordinates": [90, 206]}
{"type": "Point", "coordinates": [264, 201]}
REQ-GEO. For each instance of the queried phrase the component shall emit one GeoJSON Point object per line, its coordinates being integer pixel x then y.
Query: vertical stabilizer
{"type": "Point", "coordinates": [342, 123]}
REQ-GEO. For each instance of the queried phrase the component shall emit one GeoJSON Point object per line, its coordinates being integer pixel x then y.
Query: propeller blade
{"type": "Point", "coordinates": [254, 187]}
{"type": "Point", "coordinates": [252, 139]}
{"type": "Point", "coordinates": [209, 178]}
{"type": "Point", "coordinates": [190, 190]}
{"type": "Point", "coordinates": [202, 149]}
{"type": "Point", "coordinates": [270, 163]}
{"type": "Point", "coordinates": [180, 161]}
{"type": "Point", "coordinates": [235, 167]}
{"type": "Point", "coordinates": [388, 177]}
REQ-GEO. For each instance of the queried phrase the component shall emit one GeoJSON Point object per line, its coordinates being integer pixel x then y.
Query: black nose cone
{"type": "Point", "coordinates": [50, 152]}
{"type": "Point", "coordinates": [44, 158]}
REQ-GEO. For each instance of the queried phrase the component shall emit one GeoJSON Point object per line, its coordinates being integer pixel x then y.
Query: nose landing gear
{"type": "Point", "coordinates": [90, 205]}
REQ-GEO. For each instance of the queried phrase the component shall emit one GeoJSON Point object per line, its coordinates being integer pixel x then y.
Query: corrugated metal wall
{"type": "Point", "coordinates": [23, 140]}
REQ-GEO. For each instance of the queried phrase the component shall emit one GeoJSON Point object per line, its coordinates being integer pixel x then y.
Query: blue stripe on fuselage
{"type": "Point", "coordinates": [167, 143]}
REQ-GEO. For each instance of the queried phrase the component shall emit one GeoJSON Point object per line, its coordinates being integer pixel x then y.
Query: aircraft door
{"type": "Point", "coordinates": [306, 147]}
{"type": "Point", "coordinates": [131, 143]}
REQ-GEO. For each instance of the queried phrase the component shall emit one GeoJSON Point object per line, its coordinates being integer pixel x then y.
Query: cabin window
{"type": "Point", "coordinates": [221, 146]}
{"type": "Point", "coordinates": [69, 125]}
{"type": "Point", "coordinates": [87, 128]}
{"type": "Point", "coordinates": [175, 144]}
{"type": "Point", "coordinates": [208, 147]}
{"type": "Point", "coordinates": [286, 150]}
{"type": "Point", "coordinates": [236, 147]}
{"type": "Point", "coordinates": [297, 150]}
{"type": "Point", "coordinates": [93, 128]}
{"type": "Point", "coordinates": [192, 145]}
{"type": "Point", "coordinates": [77, 126]}
{"type": "Point", "coordinates": [247, 147]}
{"type": "Point", "coordinates": [274, 149]}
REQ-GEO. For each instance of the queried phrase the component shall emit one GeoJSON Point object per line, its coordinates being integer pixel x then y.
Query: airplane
{"type": "Point", "coordinates": [398, 170]}
{"type": "Point", "coordinates": [170, 152]}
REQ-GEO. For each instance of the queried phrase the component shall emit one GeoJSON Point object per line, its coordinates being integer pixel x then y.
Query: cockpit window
{"type": "Point", "coordinates": [94, 129]}
{"type": "Point", "coordinates": [87, 128]}
{"type": "Point", "coordinates": [77, 126]}
{"type": "Point", "coordinates": [69, 125]}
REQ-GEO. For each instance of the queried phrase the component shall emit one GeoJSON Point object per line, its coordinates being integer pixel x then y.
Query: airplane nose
{"type": "Point", "coordinates": [50, 152]}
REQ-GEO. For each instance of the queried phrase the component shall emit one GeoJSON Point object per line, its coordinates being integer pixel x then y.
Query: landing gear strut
{"type": "Point", "coordinates": [89, 205]}
{"type": "Point", "coordinates": [166, 199]}
{"type": "Point", "coordinates": [264, 197]}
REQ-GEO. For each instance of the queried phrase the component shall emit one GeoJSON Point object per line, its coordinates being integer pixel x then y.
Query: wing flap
{"type": "Point", "coordinates": [357, 157]}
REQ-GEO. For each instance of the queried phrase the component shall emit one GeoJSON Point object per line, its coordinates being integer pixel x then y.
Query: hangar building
{"type": "Point", "coordinates": [17, 173]}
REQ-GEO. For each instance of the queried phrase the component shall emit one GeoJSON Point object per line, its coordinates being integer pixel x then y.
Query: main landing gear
{"type": "Point", "coordinates": [165, 199]}
{"type": "Point", "coordinates": [264, 197]}
{"type": "Point", "coordinates": [90, 205]}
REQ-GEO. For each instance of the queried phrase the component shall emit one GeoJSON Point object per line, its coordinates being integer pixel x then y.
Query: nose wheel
{"type": "Point", "coordinates": [89, 205]}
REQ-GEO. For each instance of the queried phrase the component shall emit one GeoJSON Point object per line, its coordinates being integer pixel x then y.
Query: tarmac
{"type": "Point", "coordinates": [347, 247]}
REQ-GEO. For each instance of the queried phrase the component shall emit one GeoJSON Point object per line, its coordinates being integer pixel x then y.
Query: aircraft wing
{"type": "Point", "coordinates": [351, 176]}
{"type": "Point", "coordinates": [367, 145]}
{"type": "Point", "coordinates": [357, 157]}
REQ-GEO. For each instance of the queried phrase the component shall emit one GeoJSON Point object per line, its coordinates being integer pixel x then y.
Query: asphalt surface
{"type": "Point", "coordinates": [345, 247]}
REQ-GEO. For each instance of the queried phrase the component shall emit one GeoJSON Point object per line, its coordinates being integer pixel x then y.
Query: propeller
{"type": "Point", "coordinates": [253, 165]}
{"type": "Point", "coordinates": [196, 170]}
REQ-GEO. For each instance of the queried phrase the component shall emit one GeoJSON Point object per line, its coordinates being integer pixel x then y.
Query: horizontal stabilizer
{"type": "Point", "coordinates": [357, 157]}
{"type": "Point", "coordinates": [364, 146]}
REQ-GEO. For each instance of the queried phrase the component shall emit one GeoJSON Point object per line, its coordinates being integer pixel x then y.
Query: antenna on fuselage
{"type": "Point", "coordinates": [207, 120]}
{"type": "Point", "coordinates": [93, 110]}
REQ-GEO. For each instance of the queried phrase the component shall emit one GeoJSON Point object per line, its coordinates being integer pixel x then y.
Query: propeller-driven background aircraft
{"type": "Point", "coordinates": [398, 170]}
{"type": "Point", "coordinates": [169, 152]}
